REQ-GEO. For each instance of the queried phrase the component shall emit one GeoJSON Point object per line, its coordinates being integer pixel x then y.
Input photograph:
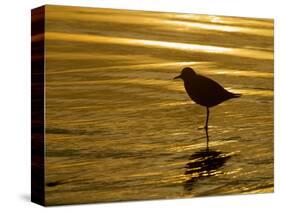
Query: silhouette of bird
{"type": "Point", "coordinates": [204, 91]}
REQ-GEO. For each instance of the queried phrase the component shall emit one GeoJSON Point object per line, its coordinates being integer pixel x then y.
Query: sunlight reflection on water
{"type": "Point", "coordinates": [258, 54]}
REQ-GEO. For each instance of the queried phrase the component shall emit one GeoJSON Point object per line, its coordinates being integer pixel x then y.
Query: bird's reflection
{"type": "Point", "coordinates": [202, 164]}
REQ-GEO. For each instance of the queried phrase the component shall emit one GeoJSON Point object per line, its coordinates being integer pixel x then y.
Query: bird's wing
{"type": "Point", "coordinates": [208, 91]}
{"type": "Point", "coordinates": [208, 85]}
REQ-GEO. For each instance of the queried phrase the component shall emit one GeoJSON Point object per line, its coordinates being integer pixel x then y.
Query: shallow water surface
{"type": "Point", "coordinates": [120, 128]}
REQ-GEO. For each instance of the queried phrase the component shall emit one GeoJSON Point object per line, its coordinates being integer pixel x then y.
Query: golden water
{"type": "Point", "coordinates": [118, 126]}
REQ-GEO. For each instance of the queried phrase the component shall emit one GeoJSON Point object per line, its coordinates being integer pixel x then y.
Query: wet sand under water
{"type": "Point", "coordinates": [119, 128]}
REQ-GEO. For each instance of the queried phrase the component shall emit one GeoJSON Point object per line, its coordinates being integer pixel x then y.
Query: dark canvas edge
{"type": "Point", "coordinates": [37, 105]}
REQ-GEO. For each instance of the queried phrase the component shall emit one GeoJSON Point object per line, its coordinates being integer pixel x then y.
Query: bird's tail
{"type": "Point", "coordinates": [236, 95]}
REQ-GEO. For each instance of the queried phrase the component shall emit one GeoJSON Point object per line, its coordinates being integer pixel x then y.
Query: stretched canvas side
{"type": "Point", "coordinates": [37, 106]}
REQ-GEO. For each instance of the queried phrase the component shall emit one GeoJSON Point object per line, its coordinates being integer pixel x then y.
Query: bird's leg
{"type": "Point", "coordinates": [207, 119]}
{"type": "Point", "coordinates": [207, 137]}
{"type": "Point", "coordinates": [206, 128]}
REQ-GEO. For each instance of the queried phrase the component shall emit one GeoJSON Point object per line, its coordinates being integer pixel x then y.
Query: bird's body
{"type": "Point", "coordinates": [204, 91]}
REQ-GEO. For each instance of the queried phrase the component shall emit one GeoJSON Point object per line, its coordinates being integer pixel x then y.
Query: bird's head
{"type": "Point", "coordinates": [186, 74]}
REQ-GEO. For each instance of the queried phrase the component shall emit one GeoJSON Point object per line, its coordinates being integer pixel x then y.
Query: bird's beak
{"type": "Point", "coordinates": [177, 77]}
